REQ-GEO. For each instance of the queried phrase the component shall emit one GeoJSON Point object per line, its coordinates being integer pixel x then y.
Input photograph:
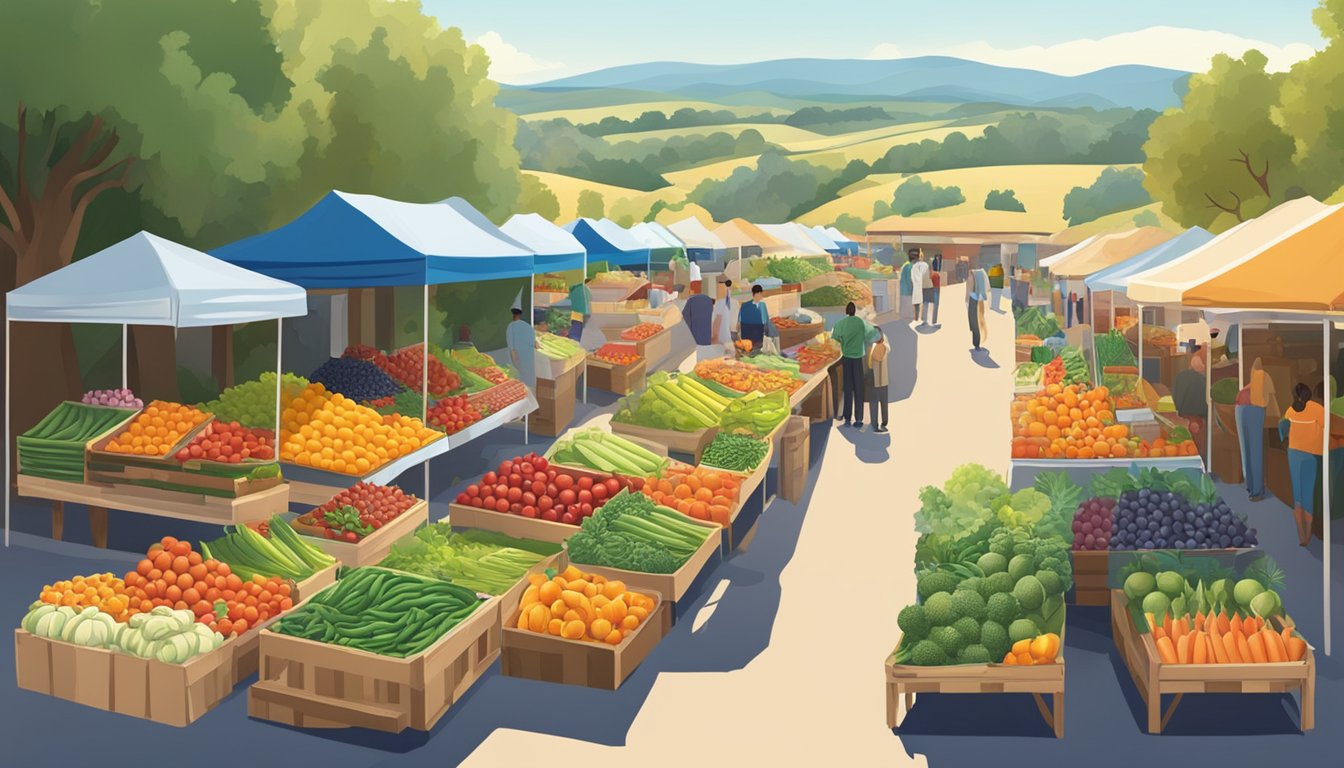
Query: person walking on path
{"type": "Point", "coordinates": [580, 305]}
{"type": "Point", "coordinates": [922, 278]}
{"type": "Point", "coordinates": [1256, 406]}
{"type": "Point", "coordinates": [907, 286]}
{"type": "Point", "coordinates": [521, 339]}
{"type": "Point", "coordinates": [996, 280]}
{"type": "Point", "coordinates": [977, 289]}
{"type": "Point", "coordinates": [698, 314]}
{"type": "Point", "coordinates": [877, 396]}
{"type": "Point", "coordinates": [752, 317]}
{"type": "Point", "coordinates": [725, 313]}
{"type": "Point", "coordinates": [1302, 426]}
{"type": "Point", "coordinates": [851, 333]}
{"type": "Point", "coordinates": [934, 296]}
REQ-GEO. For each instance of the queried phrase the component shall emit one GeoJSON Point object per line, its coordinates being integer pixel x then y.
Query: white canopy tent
{"type": "Point", "coordinates": [822, 238]}
{"type": "Point", "coordinates": [796, 236]}
{"type": "Point", "coordinates": [147, 280]}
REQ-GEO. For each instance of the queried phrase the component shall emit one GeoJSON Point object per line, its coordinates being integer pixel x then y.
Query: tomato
{"type": "Point", "coordinates": [552, 491]}
{"type": "Point", "coordinates": [585, 497]}
{"type": "Point", "coordinates": [505, 467]}
{"type": "Point", "coordinates": [516, 508]}
{"type": "Point", "coordinates": [586, 510]}
{"type": "Point", "coordinates": [564, 482]}
{"type": "Point", "coordinates": [526, 468]}
{"type": "Point", "coordinates": [473, 490]}
{"type": "Point", "coordinates": [502, 505]}
{"type": "Point", "coordinates": [569, 519]}
{"type": "Point", "coordinates": [566, 497]}
{"type": "Point", "coordinates": [545, 502]}
{"type": "Point", "coordinates": [526, 510]}
{"type": "Point", "coordinates": [614, 486]}
{"type": "Point", "coordinates": [599, 492]}
{"type": "Point", "coordinates": [560, 509]}
{"type": "Point", "coordinates": [463, 498]}
{"type": "Point", "coordinates": [538, 487]}
{"type": "Point", "coordinates": [540, 463]}
{"type": "Point", "coordinates": [585, 483]}
{"type": "Point", "coordinates": [478, 503]}
{"type": "Point", "coordinates": [549, 515]}
{"type": "Point", "coordinates": [489, 479]}
{"type": "Point", "coordinates": [529, 497]}
{"type": "Point", "coordinates": [501, 490]}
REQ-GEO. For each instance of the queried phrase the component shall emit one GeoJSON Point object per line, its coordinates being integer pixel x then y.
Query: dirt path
{"type": "Point", "coordinates": [815, 690]}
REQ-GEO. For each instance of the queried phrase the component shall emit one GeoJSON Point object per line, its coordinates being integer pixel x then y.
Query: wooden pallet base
{"type": "Point", "coordinates": [904, 681]}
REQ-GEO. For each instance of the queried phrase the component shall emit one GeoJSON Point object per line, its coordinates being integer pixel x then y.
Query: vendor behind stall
{"type": "Point", "coordinates": [1187, 394]}
{"type": "Point", "coordinates": [521, 339]}
{"type": "Point", "coordinates": [725, 314]}
{"type": "Point", "coordinates": [580, 306]}
{"type": "Point", "coordinates": [698, 314]}
{"type": "Point", "coordinates": [753, 317]}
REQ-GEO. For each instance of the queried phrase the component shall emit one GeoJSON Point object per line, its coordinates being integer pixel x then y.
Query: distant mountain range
{"type": "Point", "coordinates": [925, 78]}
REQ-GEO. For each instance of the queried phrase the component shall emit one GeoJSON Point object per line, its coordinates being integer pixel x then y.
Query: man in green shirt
{"type": "Point", "coordinates": [851, 333]}
{"type": "Point", "coordinates": [580, 303]}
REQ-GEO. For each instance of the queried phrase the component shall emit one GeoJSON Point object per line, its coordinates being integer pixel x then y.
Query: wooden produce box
{"type": "Point", "coordinates": [181, 477]}
{"type": "Point", "coordinates": [679, 588]}
{"type": "Point", "coordinates": [154, 501]}
{"type": "Point", "coordinates": [1041, 680]}
{"type": "Point", "coordinates": [792, 337]}
{"type": "Point", "coordinates": [308, 684]}
{"type": "Point", "coordinates": [371, 549]}
{"type": "Point", "coordinates": [1091, 570]}
{"type": "Point", "coordinates": [620, 380]}
{"type": "Point", "coordinates": [247, 649]}
{"type": "Point", "coordinates": [549, 368]}
{"type": "Point", "coordinates": [96, 449]}
{"type": "Point", "coordinates": [688, 443]}
{"type": "Point", "coordinates": [552, 659]}
{"type": "Point", "coordinates": [556, 400]}
{"type": "Point", "coordinates": [1156, 679]}
{"type": "Point", "coordinates": [614, 292]}
{"type": "Point", "coordinates": [517, 526]}
{"type": "Point", "coordinates": [316, 583]}
{"type": "Point", "coordinates": [172, 694]}
{"type": "Point", "coordinates": [512, 599]}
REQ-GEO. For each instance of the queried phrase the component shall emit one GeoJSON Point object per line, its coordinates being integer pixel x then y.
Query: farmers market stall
{"type": "Point", "coordinates": [823, 238]}
{"type": "Point", "coordinates": [607, 242]}
{"type": "Point", "coordinates": [146, 280]}
{"type": "Point", "coordinates": [847, 246]}
{"type": "Point", "coordinates": [795, 237]}
{"type": "Point", "coordinates": [1260, 290]}
{"type": "Point", "coordinates": [351, 242]}
{"type": "Point", "coordinates": [749, 240]}
{"type": "Point", "coordinates": [703, 246]}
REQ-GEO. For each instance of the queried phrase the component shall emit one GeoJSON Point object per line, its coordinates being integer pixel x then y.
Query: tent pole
{"type": "Point", "coordinates": [1208, 404]}
{"type": "Point", "coordinates": [279, 341]}
{"type": "Point", "coordinates": [1241, 362]}
{"type": "Point", "coordinates": [9, 460]}
{"type": "Point", "coordinates": [1140, 326]}
{"type": "Point", "coordinates": [1324, 511]}
{"type": "Point", "coordinates": [124, 377]}
{"type": "Point", "coordinates": [424, 379]}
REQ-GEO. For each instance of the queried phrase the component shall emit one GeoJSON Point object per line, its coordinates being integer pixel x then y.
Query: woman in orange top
{"type": "Point", "coordinates": [1306, 431]}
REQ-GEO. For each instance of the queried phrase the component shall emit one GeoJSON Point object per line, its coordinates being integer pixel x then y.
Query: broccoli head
{"type": "Point", "coordinates": [947, 638]}
{"type": "Point", "coordinates": [968, 628]}
{"type": "Point", "coordinates": [927, 653]}
{"type": "Point", "coordinates": [939, 609]}
{"type": "Point", "coordinates": [914, 624]}
{"type": "Point", "coordinates": [968, 603]}
{"type": "Point", "coordinates": [974, 654]}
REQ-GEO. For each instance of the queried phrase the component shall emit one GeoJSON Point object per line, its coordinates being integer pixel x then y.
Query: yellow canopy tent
{"type": "Point", "coordinates": [1298, 277]}
{"type": "Point", "coordinates": [1097, 253]}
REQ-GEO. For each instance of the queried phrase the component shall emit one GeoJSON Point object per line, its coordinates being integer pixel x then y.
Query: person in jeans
{"type": "Point", "coordinates": [1303, 424]}
{"type": "Point", "coordinates": [1256, 402]}
{"type": "Point", "coordinates": [977, 290]}
{"type": "Point", "coordinates": [934, 295]}
{"type": "Point", "coordinates": [907, 286]}
{"type": "Point", "coordinates": [752, 318]}
{"type": "Point", "coordinates": [580, 304]}
{"type": "Point", "coordinates": [851, 333]}
{"type": "Point", "coordinates": [877, 396]}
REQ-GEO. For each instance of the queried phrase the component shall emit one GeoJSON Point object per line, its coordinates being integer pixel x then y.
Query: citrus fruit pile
{"type": "Point", "coordinates": [332, 432]}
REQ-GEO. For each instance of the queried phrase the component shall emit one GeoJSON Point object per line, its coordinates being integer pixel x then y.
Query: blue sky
{"type": "Point", "coordinates": [533, 40]}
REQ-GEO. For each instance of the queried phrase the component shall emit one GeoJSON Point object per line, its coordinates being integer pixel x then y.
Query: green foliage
{"type": "Point", "coordinates": [538, 198]}
{"type": "Point", "coordinates": [656, 120]}
{"type": "Point", "coordinates": [1116, 189]}
{"type": "Point", "coordinates": [1003, 200]}
{"type": "Point", "coordinates": [820, 118]}
{"type": "Point", "coordinates": [770, 192]}
{"type": "Point", "coordinates": [1024, 509]}
{"type": "Point", "coordinates": [850, 224]}
{"type": "Point", "coordinates": [1147, 218]}
{"type": "Point", "coordinates": [915, 195]}
{"type": "Point", "coordinates": [591, 205]}
{"type": "Point", "coordinates": [963, 504]}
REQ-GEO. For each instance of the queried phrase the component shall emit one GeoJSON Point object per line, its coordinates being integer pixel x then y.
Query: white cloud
{"type": "Point", "coordinates": [510, 65]}
{"type": "Point", "coordinates": [1174, 47]}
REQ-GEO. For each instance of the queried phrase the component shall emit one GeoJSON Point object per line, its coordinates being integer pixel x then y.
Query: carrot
{"type": "Point", "coordinates": [1236, 623]}
{"type": "Point", "coordinates": [1256, 644]}
{"type": "Point", "coordinates": [1165, 651]}
{"type": "Point", "coordinates": [1274, 649]}
{"type": "Point", "coordinates": [1152, 622]}
{"type": "Point", "coordinates": [1230, 645]}
{"type": "Point", "coordinates": [1199, 621]}
{"type": "Point", "coordinates": [1166, 623]}
{"type": "Point", "coordinates": [1183, 649]}
{"type": "Point", "coordinates": [1158, 631]}
{"type": "Point", "coordinates": [1200, 652]}
{"type": "Point", "coordinates": [1250, 625]}
{"type": "Point", "coordinates": [1297, 648]}
{"type": "Point", "coordinates": [1224, 626]}
{"type": "Point", "coordinates": [1244, 648]}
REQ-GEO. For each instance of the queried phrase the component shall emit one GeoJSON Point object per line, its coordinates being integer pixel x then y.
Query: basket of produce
{"type": "Point", "coordinates": [639, 332]}
{"type": "Point", "coordinates": [1027, 378]}
{"type": "Point", "coordinates": [754, 414]}
{"type": "Point", "coordinates": [1209, 632]}
{"type": "Point", "coordinates": [54, 447]}
{"type": "Point", "coordinates": [793, 270]}
{"type": "Point", "coordinates": [556, 355]}
{"type": "Point", "coordinates": [742, 376]}
{"type": "Point", "coordinates": [400, 649]}
{"type": "Point", "coordinates": [454, 414]}
{"type": "Point", "coordinates": [817, 355]}
{"type": "Point", "coordinates": [604, 630]}
{"type": "Point", "coordinates": [596, 449]}
{"type": "Point", "coordinates": [1113, 350]}
{"type": "Point", "coordinates": [648, 546]}
{"type": "Point", "coordinates": [701, 493]}
{"type": "Point", "coordinates": [529, 498]}
{"type": "Point", "coordinates": [616, 368]}
{"type": "Point", "coordinates": [154, 435]}
{"type": "Point", "coordinates": [359, 525]}
{"type": "Point", "coordinates": [677, 411]}
{"type": "Point", "coordinates": [223, 459]}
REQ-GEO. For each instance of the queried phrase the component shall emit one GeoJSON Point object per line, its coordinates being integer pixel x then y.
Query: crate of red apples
{"type": "Point", "coordinates": [359, 525]}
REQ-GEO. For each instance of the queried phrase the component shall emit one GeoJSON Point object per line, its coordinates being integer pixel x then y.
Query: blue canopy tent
{"type": "Point", "coordinates": [554, 249]}
{"type": "Point", "coordinates": [351, 241]}
{"type": "Point", "coordinates": [848, 247]}
{"type": "Point", "coordinates": [820, 237]}
{"type": "Point", "coordinates": [606, 241]}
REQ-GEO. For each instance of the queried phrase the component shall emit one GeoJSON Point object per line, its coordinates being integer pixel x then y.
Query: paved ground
{"type": "Point", "coordinates": [783, 668]}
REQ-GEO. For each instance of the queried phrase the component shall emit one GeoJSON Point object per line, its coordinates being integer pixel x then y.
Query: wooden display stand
{"type": "Point", "coordinates": [556, 399]}
{"type": "Point", "coordinates": [1041, 680]}
{"type": "Point", "coordinates": [653, 349]}
{"type": "Point", "coordinates": [680, 587]}
{"type": "Point", "coordinates": [309, 684]}
{"type": "Point", "coordinates": [517, 526]}
{"type": "Point", "coordinates": [552, 659]}
{"type": "Point", "coordinates": [1154, 678]}
{"type": "Point", "coordinates": [617, 379]}
{"type": "Point", "coordinates": [794, 457]}
{"type": "Point", "coordinates": [792, 337]}
{"type": "Point", "coordinates": [688, 443]}
{"type": "Point", "coordinates": [371, 549]}
{"type": "Point", "coordinates": [172, 694]}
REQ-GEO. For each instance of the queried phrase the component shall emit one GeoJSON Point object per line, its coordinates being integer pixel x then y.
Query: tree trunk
{"type": "Point", "coordinates": [153, 362]}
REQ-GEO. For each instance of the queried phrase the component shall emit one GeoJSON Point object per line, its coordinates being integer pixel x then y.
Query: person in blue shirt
{"type": "Point", "coordinates": [752, 319]}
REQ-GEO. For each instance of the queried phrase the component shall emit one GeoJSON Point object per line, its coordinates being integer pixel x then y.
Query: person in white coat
{"type": "Point", "coordinates": [725, 314]}
{"type": "Point", "coordinates": [921, 286]}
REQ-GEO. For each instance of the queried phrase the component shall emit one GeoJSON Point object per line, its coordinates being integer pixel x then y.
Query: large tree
{"type": "Point", "coordinates": [1312, 107]}
{"type": "Point", "coordinates": [1222, 158]}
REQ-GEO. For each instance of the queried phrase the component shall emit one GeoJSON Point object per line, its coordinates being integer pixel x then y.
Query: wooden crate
{"type": "Point", "coordinates": [681, 587]}
{"type": "Point", "coordinates": [309, 684]}
{"type": "Point", "coordinates": [153, 501]}
{"type": "Point", "coordinates": [517, 526]}
{"type": "Point", "coordinates": [316, 583]}
{"type": "Point", "coordinates": [549, 369]}
{"type": "Point", "coordinates": [179, 477]}
{"type": "Point", "coordinates": [688, 443]}
{"type": "Point", "coordinates": [620, 380]}
{"type": "Point", "coordinates": [904, 681]}
{"type": "Point", "coordinates": [95, 450]}
{"type": "Point", "coordinates": [556, 399]}
{"type": "Point", "coordinates": [553, 659]}
{"type": "Point", "coordinates": [172, 694]}
{"type": "Point", "coordinates": [792, 337]}
{"type": "Point", "coordinates": [1155, 679]}
{"type": "Point", "coordinates": [510, 600]}
{"type": "Point", "coordinates": [371, 549]}
{"type": "Point", "coordinates": [1091, 577]}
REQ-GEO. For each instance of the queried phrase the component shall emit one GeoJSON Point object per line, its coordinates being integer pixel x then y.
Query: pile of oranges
{"type": "Point", "coordinates": [103, 591]}
{"type": "Point", "coordinates": [329, 431]}
{"type": "Point", "coordinates": [703, 494]}
{"type": "Point", "coordinates": [157, 430]}
{"type": "Point", "coordinates": [1070, 422]}
{"type": "Point", "coordinates": [582, 606]}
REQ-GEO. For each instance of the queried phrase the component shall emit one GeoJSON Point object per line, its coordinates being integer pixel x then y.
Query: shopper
{"type": "Point", "coordinates": [752, 317]}
{"type": "Point", "coordinates": [580, 305]}
{"type": "Point", "coordinates": [521, 339]}
{"type": "Point", "coordinates": [907, 289]}
{"type": "Point", "coordinates": [1187, 394]}
{"type": "Point", "coordinates": [695, 276]}
{"type": "Point", "coordinates": [851, 333]}
{"type": "Point", "coordinates": [935, 295]}
{"type": "Point", "coordinates": [725, 314]}
{"type": "Point", "coordinates": [877, 395]}
{"type": "Point", "coordinates": [698, 314]}
{"type": "Point", "coordinates": [1256, 406]}
{"type": "Point", "coordinates": [976, 293]}
{"type": "Point", "coordinates": [922, 277]}
{"type": "Point", "coordinates": [1303, 424]}
{"type": "Point", "coordinates": [996, 285]}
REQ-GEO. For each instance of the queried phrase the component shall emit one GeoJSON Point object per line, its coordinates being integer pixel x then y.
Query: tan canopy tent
{"type": "Point", "coordinates": [741, 233]}
{"type": "Point", "coordinates": [795, 239]}
{"type": "Point", "coordinates": [1096, 253]}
